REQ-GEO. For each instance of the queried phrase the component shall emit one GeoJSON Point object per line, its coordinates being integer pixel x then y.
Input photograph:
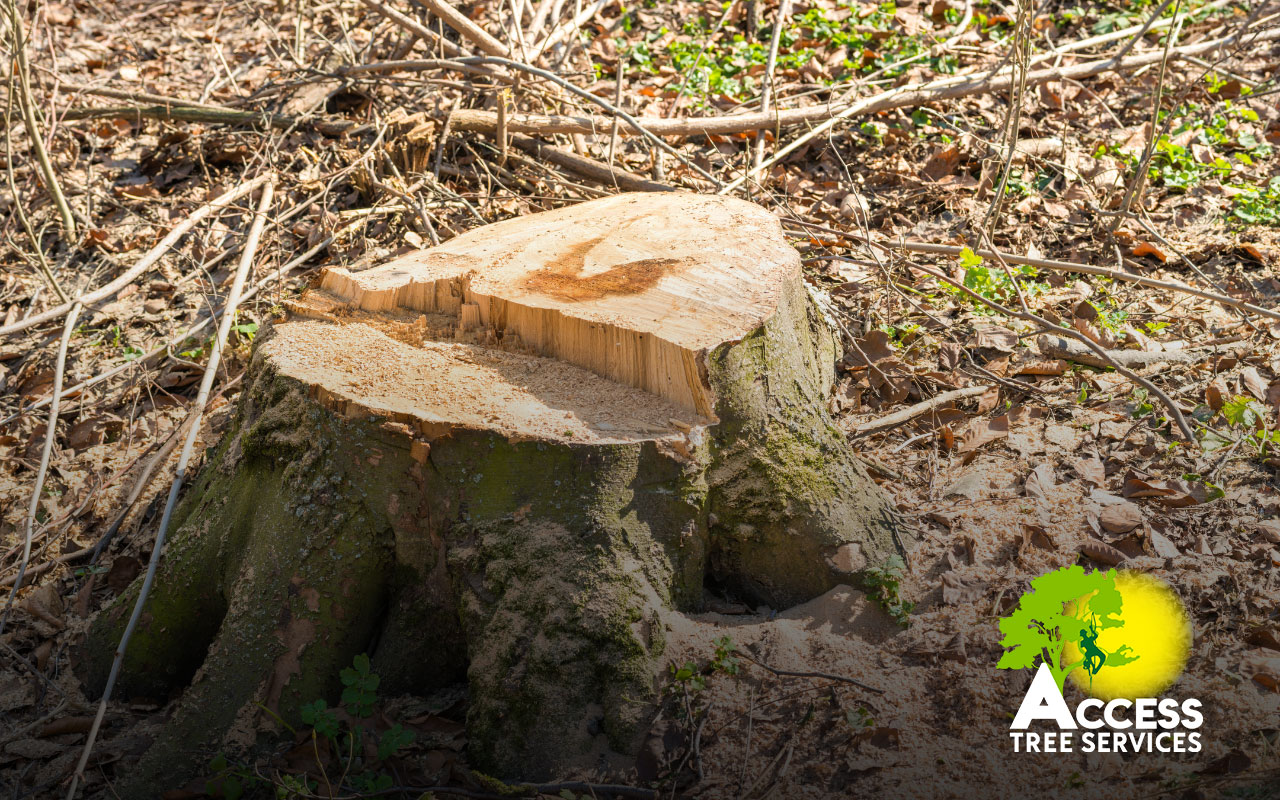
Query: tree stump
{"type": "Point", "coordinates": [505, 460]}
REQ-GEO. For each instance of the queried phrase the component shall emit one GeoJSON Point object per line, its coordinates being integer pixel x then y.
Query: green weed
{"type": "Point", "coordinates": [992, 282]}
{"type": "Point", "coordinates": [342, 732]}
{"type": "Point", "coordinates": [883, 585]}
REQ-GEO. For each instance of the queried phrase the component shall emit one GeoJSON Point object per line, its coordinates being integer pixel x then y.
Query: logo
{"type": "Point", "coordinates": [1120, 638]}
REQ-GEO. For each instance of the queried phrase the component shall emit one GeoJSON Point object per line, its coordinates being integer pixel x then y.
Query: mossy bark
{"type": "Point", "coordinates": [537, 571]}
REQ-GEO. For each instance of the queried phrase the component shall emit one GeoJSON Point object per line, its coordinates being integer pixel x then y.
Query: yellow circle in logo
{"type": "Point", "coordinates": [1146, 654]}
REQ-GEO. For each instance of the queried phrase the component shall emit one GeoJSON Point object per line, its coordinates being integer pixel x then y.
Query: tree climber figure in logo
{"type": "Point", "coordinates": [1094, 657]}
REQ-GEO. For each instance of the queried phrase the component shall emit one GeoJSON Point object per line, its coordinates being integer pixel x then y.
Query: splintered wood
{"type": "Point", "coordinates": [588, 322]}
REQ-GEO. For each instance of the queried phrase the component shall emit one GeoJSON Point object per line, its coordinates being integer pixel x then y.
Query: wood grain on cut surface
{"type": "Point", "coordinates": [636, 288]}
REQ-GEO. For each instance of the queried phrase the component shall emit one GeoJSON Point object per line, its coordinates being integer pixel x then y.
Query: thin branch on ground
{"type": "Point", "coordinates": [143, 264]}
{"type": "Point", "coordinates": [184, 459]}
{"type": "Point", "coordinates": [897, 418]}
{"type": "Point", "coordinates": [27, 103]}
{"type": "Point", "coordinates": [766, 96]}
{"type": "Point", "coordinates": [50, 434]}
{"type": "Point", "coordinates": [1048, 327]}
{"type": "Point", "coordinates": [783, 673]}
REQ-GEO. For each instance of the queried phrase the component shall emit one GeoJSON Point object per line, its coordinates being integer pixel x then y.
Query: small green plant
{"type": "Point", "coordinates": [859, 718]}
{"type": "Point", "coordinates": [693, 678]}
{"type": "Point", "coordinates": [724, 660]}
{"type": "Point", "coordinates": [994, 284]}
{"type": "Point", "coordinates": [1142, 405]}
{"type": "Point", "coordinates": [688, 676]}
{"type": "Point", "coordinates": [883, 586]}
{"type": "Point", "coordinates": [361, 687]}
{"type": "Point", "coordinates": [245, 330]}
{"type": "Point", "coordinates": [339, 732]}
{"type": "Point", "coordinates": [1258, 205]}
{"type": "Point", "coordinates": [1250, 418]}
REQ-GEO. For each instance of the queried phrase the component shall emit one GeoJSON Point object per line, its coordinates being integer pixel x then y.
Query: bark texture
{"type": "Point", "coordinates": [535, 564]}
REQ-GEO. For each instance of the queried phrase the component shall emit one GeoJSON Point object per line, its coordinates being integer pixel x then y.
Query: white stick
{"type": "Point", "coordinates": [50, 432]}
{"type": "Point", "coordinates": [152, 256]}
{"type": "Point", "coordinates": [197, 411]}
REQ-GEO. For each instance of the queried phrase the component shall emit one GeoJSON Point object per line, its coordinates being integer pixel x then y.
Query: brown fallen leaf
{"type": "Point", "coordinates": [943, 162]}
{"type": "Point", "coordinates": [995, 338]}
{"type": "Point", "coordinates": [953, 650]}
{"type": "Point", "coordinates": [1269, 529]}
{"type": "Point", "coordinates": [1101, 552]}
{"type": "Point", "coordinates": [1132, 545]}
{"type": "Point", "coordinates": [950, 356]}
{"type": "Point", "coordinates": [1036, 487]}
{"type": "Point", "coordinates": [66, 725]}
{"type": "Point", "coordinates": [1091, 470]}
{"type": "Point", "coordinates": [1162, 545]}
{"type": "Point", "coordinates": [1042, 366]}
{"type": "Point", "coordinates": [123, 570]}
{"type": "Point", "coordinates": [865, 352]}
{"type": "Point", "coordinates": [1149, 249]}
{"type": "Point", "coordinates": [1254, 383]}
{"type": "Point", "coordinates": [1263, 636]}
{"type": "Point", "coordinates": [988, 400]}
{"type": "Point", "coordinates": [982, 431]}
{"type": "Point", "coordinates": [1231, 763]}
{"type": "Point", "coordinates": [1120, 517]}
{"type": "Point", "coordinates": [1036, 536]}
{"type": "Point", "coordinates": [1175, 494]}
{"type": "Point", "coordinates": [1216, 393]}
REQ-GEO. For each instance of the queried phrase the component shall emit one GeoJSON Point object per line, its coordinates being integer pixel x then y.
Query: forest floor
{"type": "Point", "coordinates": [1043, 457]}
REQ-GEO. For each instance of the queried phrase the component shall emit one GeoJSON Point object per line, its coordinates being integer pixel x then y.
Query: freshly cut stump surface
{"type": "Point", "coordinates": [506, 461]}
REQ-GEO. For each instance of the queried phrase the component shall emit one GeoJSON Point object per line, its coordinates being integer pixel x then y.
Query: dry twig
{"type": "Point", "coordinates": [196, 412]}
{"type": "Point", "coordinates": [50, 433]}
{"type": "Point", "coordinates": [145, 263]}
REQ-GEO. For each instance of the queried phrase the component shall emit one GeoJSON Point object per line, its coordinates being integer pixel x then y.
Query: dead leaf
{"type": "Point", "coordinates": [956, 591]}
{"type": "Point", "coordinates": [1101, 552]}
{"type": "Point", "coordinates": [123, 570]}
{"type": "Point", "coordinates": [995, 338]}
{"type": "Point", "coordinates": [1120, 517]}
{"type": "Point", "coordinates": [1262, 636]}
{"type": "Point", "coordinates": [865, 352]}
{"type": "Point", "coordinates": [982, 431]}
{"type": "Point", "coordinates": [93, 431]}
{"type": "Point", "coordinates": [943, 162]}
{"type": "Point", "coordinates": [950, 356]}
{"type": "Point", "coordinates": [1161, 544]}
{"type": "Point", "coordinates": [1038, 483]}
{"type": "Point", "coordinates": [1149, 249]}
{"type": "Point", "coordinates": [1254, 383]}
{"type": "Point", "coordinates": [1042, 366]}
{"type": "Point", "coordinates": [1231, 763]}
{"type": "Point", "coordinates": [1215, 394]}
{"type": "Point", "coordinates": [1091, 470]}
{"type": "Point", "coordinates": [988, 400]}
{"type": "Point", "coordinates": [1175, 494]}
{"type": "Point", "coordinates": [1270, 530]}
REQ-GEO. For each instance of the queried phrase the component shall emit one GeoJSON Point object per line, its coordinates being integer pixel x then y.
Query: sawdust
{"type": "Point", "coordinates": [441, 385]}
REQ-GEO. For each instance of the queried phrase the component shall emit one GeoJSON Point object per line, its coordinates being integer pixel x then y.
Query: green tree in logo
{"type": "Point", "coordinates": [1067, 605]}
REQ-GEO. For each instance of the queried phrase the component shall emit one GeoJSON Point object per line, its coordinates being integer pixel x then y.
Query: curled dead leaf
{"type": "Point", "coordinates": [1120, 517]}
{"type": "Point", "coordinates": [982, 431]}
{"type": "Point", "coordinates": [1101, 552]}
{"type": "Point", "coordinates": [1149, 249]}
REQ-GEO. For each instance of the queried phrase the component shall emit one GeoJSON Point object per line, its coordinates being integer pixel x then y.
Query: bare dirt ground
{"type": "Point", "coordinates": [147, 111]}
